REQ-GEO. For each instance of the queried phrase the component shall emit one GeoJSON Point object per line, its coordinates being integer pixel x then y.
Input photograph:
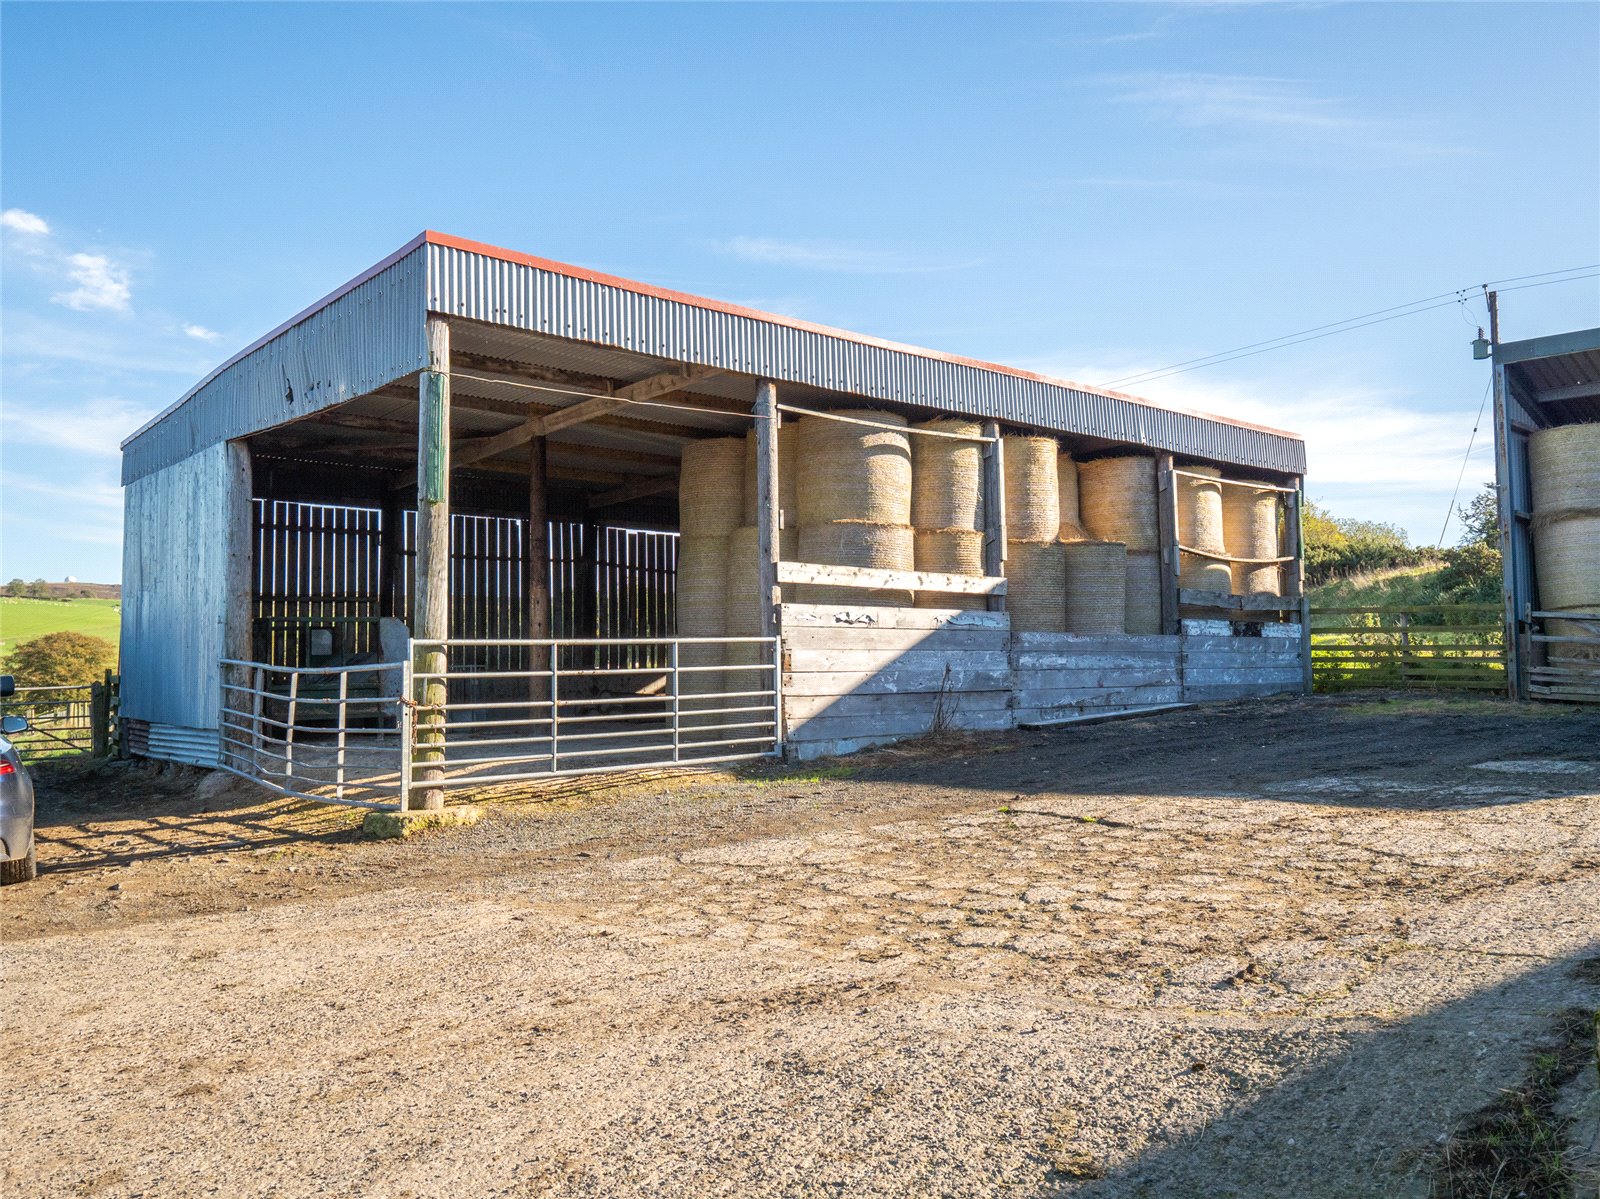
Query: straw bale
{"type": "Point", "coordinates": [951, 552]}
{"type": "Point", "coordinates": [1567, 560]}
{"type": "Point", "coordinates": [1144, 592]}
{"type": "Point", "coordinates": [1117, 501]}
{"type": "Point", "coordinates": [856, 543]}
{"type": "Point", "coordinates": [947, 477]}
{"type": "Point", "coordinates": [1250, 530]}
{"type": "Point", "coordinates": [1067, 488]}
{"type": "Point", "coordinates": [701, 586]}
{"type": "Point", "coordinates": [1565, 465]}
{"type": "Point", "coordinates": [1096, 586]}
{"type": "Point", "coordinates": [1036, 585]}
{"type": "Point", "coordinates": [1033, 497]}
{"type": "Point", "coordinates": [851, 472]}
{"type": "Point", "coordinates": [742, 594]}
{"type": "Point", "coordinates": [788, 476]}
{"type": "Point", "coordinates": [1200, 526]}
{"type": "Point", "coordinates": [711, 487]}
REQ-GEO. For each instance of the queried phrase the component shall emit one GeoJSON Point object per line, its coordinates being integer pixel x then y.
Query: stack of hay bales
{"type": "Point", "coordinates": [1250, 530]}
{"type": "Point", "coordinates": [854, 502]}
{"type": "Point", "coordinates": [788, 479]}
{"type": "Point", "coordinates": [947, 507]}
{"type": "Point", "coordinates": [1565, 464]}
{"type": "Point", "coordinates": [1096, 587]}
{"type": "Point", "coordinates": [1035, 558]}
{"type": "Point", "coordinates": [742, 584]}
{"type": "Point", "coordinates": [710, 506]}
{"type": "Point", "coordinates": [1200, 528]}
{"type": "Point", "coordinates": [1117, 501]}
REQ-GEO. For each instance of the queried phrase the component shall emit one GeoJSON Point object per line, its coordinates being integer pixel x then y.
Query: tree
{"type": "Point", "coordinates": [1480, 518]}
{"type": "Point", "coordinates": [1336, 546]}
{"type": "Point", "coordinates": [62, 660]}
{"type": "Point", "coordinates": [16, 587]}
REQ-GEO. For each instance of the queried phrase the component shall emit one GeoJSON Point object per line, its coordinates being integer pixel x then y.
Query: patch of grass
{"type": "Point", "coordinates": [819, 774]}
{"type": "Point", "coordinates": [24, 619]}
{"type": "Point", "coordinates": [1515, 1147]}
{"type": "Point", "coordinates": [1447, 705]}
{"type": "Point", "coordinates": [1388, 585]}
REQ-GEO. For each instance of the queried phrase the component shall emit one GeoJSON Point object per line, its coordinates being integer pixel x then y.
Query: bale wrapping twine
{"type": "Point", "coordinates": [1036, 586]}
{"type": "Point", "coordinates": [951, 552]}
{"type": "Point", "coordinates": [1067, 489]}
{"type": "Point", "coordinates": [947, 477]}
{"type": "Point", "coordinates": [711, 487]}
{"type": "Point", "coordinates": [1565, 464]}
{"type": "Point", "coordinates": [852, 472]}
{"type": "Point", "coordinates": [1096, 586]}
{"type": "Point", "coordinates": [1200, 527]}
{"type": "Point", "coordinates": [1033, 496]}
{"type": "Point", "coordinates": [1250, 530]}
{"type": "Point", "coordinates": [856, 543]}
{"type": "Point", "coordinates": [1117, 501]}
{"type": "Point", "coordinates": [742, 591]}
{"type": "Point", "coordinates": [1143, 592]}
{"type": "Point", "coordinates": [788, 479]}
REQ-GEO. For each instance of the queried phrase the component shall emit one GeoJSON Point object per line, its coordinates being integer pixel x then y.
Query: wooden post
{"type": "Point", "coordinates": [1167, 537]}
{"type": "Point", "coordinates": [766, 414]}
{"type": "Point", "coordinates": [431, 609]}
{"type": "Point", "coordinates": [994, 510]}
{"type": "Point", "coordinates": [239, 586]}
{"type": "Point", "coordinates": [100, 719]}
{"type": "Point", "coordinates": [1516, 649]}
{"type": "Point", "coordinates": [536, 569]}
{"type": "Point", "coordinates": [1294, 574]}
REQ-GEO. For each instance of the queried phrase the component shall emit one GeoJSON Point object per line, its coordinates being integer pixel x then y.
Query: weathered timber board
{"type": "Point", "coordinates": [895, 680]}
{"type": "Point", "coordinates": [833, 616]}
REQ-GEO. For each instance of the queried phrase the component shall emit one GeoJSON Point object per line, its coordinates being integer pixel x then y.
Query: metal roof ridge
{"type": "Point", "coordinates": [451, 241]}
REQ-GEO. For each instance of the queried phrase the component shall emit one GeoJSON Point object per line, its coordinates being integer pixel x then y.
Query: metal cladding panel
{"type": "Point", "coordinates": [482, 287]}
{"type": "Point", "coordinates": [174, 598]}
{"type": "Point", "coordinates": [193, 747]}
{"type": "Point", "coordinates": [371, 334]}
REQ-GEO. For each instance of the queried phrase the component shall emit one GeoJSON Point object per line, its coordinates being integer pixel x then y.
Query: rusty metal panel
{"type": "Point", "coordinates": [368, 334]}
{"type": "Point", "coordinates": [540, 298]}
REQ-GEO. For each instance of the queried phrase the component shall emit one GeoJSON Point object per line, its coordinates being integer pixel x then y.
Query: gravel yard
{"type": "Point", "coordinates": [1259, 949]}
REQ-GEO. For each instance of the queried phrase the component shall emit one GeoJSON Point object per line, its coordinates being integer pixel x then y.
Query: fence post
{"type": "Point", "coordinates": [1406, 672]}
{"type": "Point", "coordinates": [555, 708]}
{"type": "Point", "coordinates": [344, 696]}
{"type": "Point", "coordinates": [99, 718]}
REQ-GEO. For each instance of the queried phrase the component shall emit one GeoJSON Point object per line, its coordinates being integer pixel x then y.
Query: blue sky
{"type": "Point", "coordinates": [1083, 190]}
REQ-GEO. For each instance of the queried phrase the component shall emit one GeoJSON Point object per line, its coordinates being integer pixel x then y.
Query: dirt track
{"type": "Point", "coordinates": [1264, 949]}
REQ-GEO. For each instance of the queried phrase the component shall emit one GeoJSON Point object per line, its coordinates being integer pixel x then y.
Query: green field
{"type": "Point", "coordinates": [24, 619]}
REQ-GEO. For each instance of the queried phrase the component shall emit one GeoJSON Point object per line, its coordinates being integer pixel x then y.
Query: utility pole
{"type": "Point", "coordinates": [1493, 299]}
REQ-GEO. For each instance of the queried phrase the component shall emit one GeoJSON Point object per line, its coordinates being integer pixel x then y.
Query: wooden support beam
{"type": "Point", "coordinates": [576, 414]}
{"type": "Point", "coordinates": [431, 614]}
{"type": "Point", "coordinates": [994, 511]}
{"type": "Point", "coordinates": [1294, 574]}
{"type": "Point", "coordinates": [766, 417]}
{"type": "Point", "coordinates": [1223, 602]}
{"type": "Point", "coordinates": [240, 588]}
{"type": "Point", "coordinates": [536, 568]}
{"type": "Point", "coordinates": [872, 579]}
{"type": "Point", "coordinates": [633, 491]}
{"type": "Point", "coordinates": [1167, 538]}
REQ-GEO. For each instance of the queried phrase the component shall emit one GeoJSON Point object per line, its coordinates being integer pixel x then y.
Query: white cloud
{"type": "Point", "coordinates": [829, 256]}
{"type": "Point", "coordinates": [201, 333]}
{"type": "Point", "coordinates": [96, 427]}
{"type": "Point", "coordinates": [22, 221]}
{"type": "Point", "coordinates": [101, 284]}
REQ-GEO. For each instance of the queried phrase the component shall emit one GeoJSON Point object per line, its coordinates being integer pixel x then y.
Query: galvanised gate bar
{"type": "Point", "coordinates": [478, 518]}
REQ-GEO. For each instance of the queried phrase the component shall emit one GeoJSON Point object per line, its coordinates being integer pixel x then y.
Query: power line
{"type": "Point", "coordinates": [1467, 457]}
{"type": "Point", "coordinates": [1381, 315]}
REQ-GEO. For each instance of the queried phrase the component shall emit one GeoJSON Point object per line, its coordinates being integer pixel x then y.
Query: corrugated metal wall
{"type": "Point", "coordinates": [174, 594]}
{"type": "Point", "coordinates": [370, 336]}
{"type": "Point", "coordinates": [482, 288]}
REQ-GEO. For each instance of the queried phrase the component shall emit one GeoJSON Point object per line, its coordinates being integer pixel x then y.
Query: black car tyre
{"type": "Point", "coordinates": [20, 870]}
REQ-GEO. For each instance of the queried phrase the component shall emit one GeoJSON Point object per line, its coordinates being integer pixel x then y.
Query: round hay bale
{"type": "Point", "coordinates": [1117, 500]}
{"type": "Point", "coordinates": [852, 472]}
{"type": "Point", "coordinates": [1067, 489]}
{"type": "Point", "coordinates": [857, 543]}
{"type": "Point", "coordinates": [951, 552]}
{"type": "Point", "coordinates": [1200, 526]}
{"type": "Point", "coordinates": [1097, 586]}
{"type": "Point", "coordinates": [788, 478]}
{"type": "Point", "coordinates": [1036, 580]}
{"type": "Point", "coordinates": [711, 487]}
{"type": "Point", "coordinates": [1250, 530]}
{"type": "Point", "coordinates": [742, 594]}
{"type": "Point", "coordinates": [1567, 561]}
{"type": "Point", "coordinates": [947, 477]}
{"type": "Point", "coordinates": [1143, 592]}
{"type": "Point", "coordinates": [1033, 497]}
{"type": "Point", "coordinates": [1565, 465]}
{"type": "Point", "coordinates": [701, 586]}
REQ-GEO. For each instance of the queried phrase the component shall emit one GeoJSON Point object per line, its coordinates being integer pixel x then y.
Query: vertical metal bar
{"type": "Point", "coordinates": [1169, 536]}
{"type": "Point", "coordinates": [766, 423]}
{"type": "Point", "coordinates": [555, 708]}
{"type": "Point", "coordinates": [344, 696]}
{"type": "Point", "coordinates": [258, 700]}
{"type": "Point", "coordinates": [776, 649]}
{"type": "Point", "coordinates": [294, 719]}
{"type": "Point", "coordinates": [675, 692]}
{"type": "Point", "coordinates": [994, 510]}
{"type": "Point", "coordinates": [407, 728]}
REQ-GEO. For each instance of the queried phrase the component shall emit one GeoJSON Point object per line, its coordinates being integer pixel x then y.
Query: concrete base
{"type": "Point", "coordinates": [384, 826]}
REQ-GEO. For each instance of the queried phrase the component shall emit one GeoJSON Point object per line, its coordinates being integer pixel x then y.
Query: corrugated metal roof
{"type": "Point", "coordinates": [1559, 374]}
{"type": "Point", "coordinates": [372, 332]}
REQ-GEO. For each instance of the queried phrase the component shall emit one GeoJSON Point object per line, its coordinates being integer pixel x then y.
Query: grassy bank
{"type": "Point", "coordinates": [24, 619]}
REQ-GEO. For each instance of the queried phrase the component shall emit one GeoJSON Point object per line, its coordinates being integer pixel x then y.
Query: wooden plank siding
{"type": "Point", "coordinates": [857, 677]}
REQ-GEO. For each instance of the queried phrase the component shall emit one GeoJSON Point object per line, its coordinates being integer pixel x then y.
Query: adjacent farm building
{"type": "Point", "coordinates": [478, 517]}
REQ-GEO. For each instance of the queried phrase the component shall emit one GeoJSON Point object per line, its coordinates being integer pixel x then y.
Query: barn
{"type": "Point", "coordinates": [478, 518]}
